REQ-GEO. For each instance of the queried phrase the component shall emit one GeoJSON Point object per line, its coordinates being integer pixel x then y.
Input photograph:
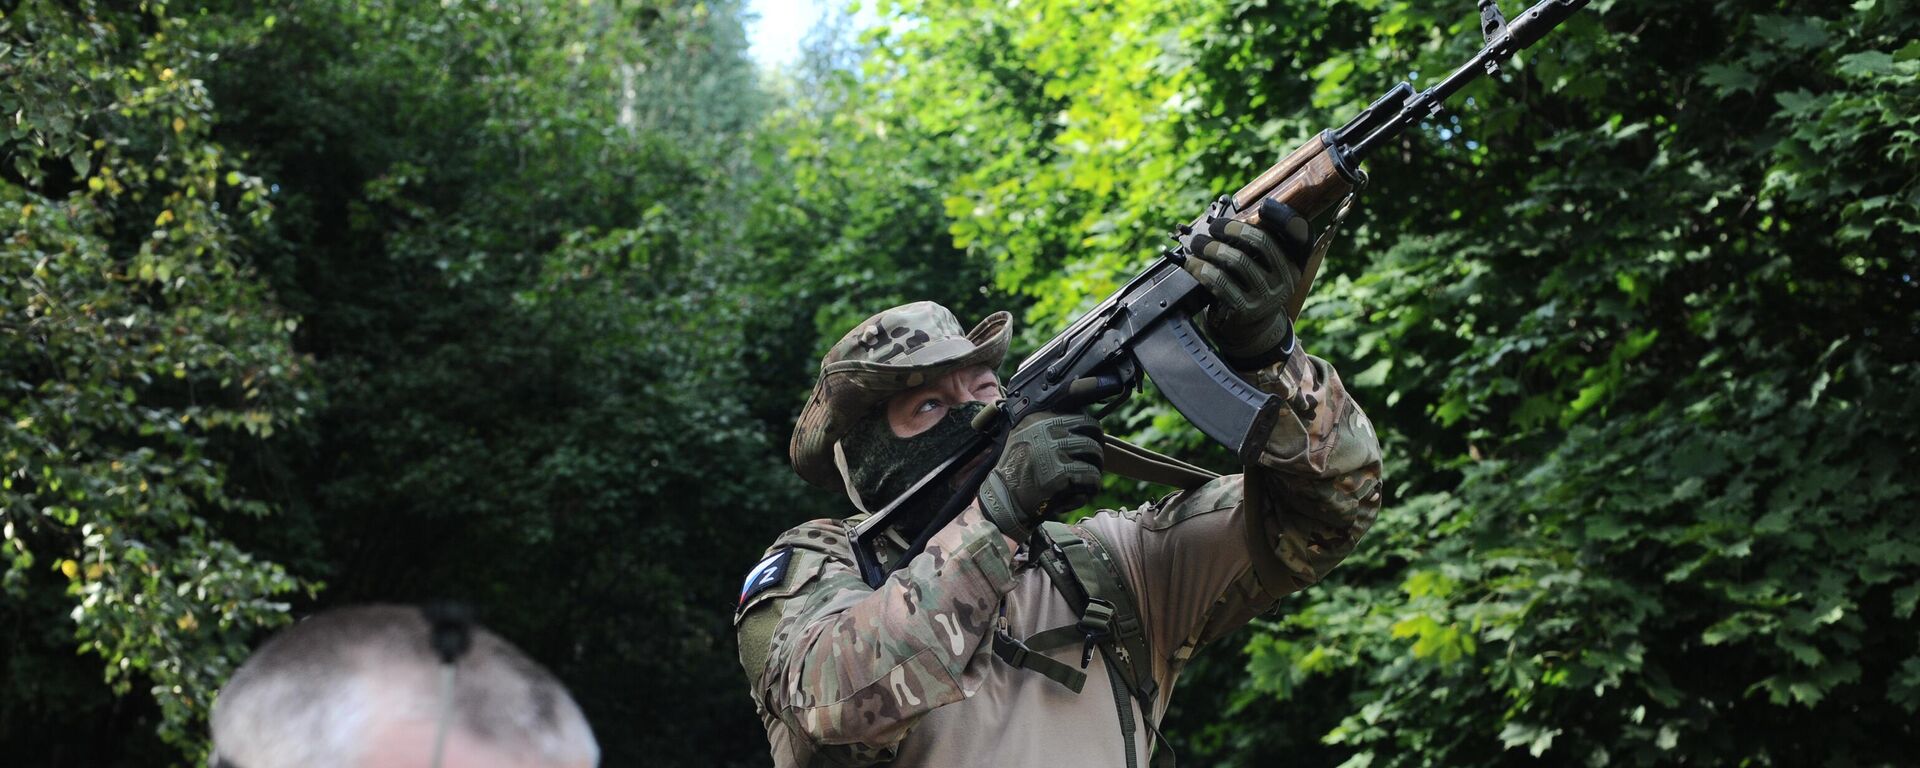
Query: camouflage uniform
{"type": "Point", "coordinates": [847, 675]}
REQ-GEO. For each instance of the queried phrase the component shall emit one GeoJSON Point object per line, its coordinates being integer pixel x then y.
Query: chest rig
{"type": "Point", "coordinates": [1085, 575]}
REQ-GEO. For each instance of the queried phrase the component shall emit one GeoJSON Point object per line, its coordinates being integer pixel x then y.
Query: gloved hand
{"type": "Point", "coordinates": [1052, 463]}
{"type": "Point", "coordinates": [1248, 271]}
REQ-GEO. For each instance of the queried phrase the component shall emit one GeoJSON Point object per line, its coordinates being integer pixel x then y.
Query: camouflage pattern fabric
{"type": "Point", "coordinates": [1325, 462]}
{"type": "Point", "coordinates": [888, 655]}
{"type": "Point", "coordinates": [846, 675]}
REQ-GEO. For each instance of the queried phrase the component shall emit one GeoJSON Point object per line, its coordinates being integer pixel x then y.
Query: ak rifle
{"type": "Point", "coordinates": [1148, 328]}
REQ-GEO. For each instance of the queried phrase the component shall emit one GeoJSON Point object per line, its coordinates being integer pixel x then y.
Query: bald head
{"type": "Point", "coordinates": [361, 688]}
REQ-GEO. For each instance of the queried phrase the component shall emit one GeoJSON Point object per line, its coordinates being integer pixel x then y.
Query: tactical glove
{"type": "Point", "coordinates": [1052, 463]}
{"type": "Point", "coordinates": [1251, 272]}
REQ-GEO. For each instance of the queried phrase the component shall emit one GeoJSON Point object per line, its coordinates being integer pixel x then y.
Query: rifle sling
{"type": "Point", "coordinates": [1129, 460]}
{"type": "Point", "coordinates": [1085, 575]}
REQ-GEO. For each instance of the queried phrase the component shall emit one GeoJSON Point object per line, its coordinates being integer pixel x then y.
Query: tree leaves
{"type": "Point", "coordinates": [1730, 79]}
{"type": "Point", "coordinates": [498, 291]}
{"type": "Point", "coordinates": [138, 348]}
{"type": "Point", "coordinates": [1622, 348]}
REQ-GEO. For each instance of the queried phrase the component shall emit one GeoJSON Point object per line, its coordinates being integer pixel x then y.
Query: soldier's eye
{"type": "Point", "coordinates": [927, 406]}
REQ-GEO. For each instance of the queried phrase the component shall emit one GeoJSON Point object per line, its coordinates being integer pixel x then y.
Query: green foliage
{"type": "Point", "coordinates": [518, 324]}
{"type": "Point", "coordinates": [856, 221]}
{"type": "Point", "coordinates": [136, 339]}
{"type": "Point", "coordinates": [503, 225]}
{"type": "Point", "coordinates": [1636, 323]}
{"type": "Point", "coordinates": [515, 302]}
{"type": "Point", "coordinates": [1072, 126]}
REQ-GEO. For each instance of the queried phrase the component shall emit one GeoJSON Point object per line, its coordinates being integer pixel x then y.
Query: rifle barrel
{"type": "Point", "coordinates": [1521, 33]}
{"type": "Point", "coordinates": [1371, 118]}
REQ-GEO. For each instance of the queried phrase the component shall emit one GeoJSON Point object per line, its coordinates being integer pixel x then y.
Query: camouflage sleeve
{"type": "Point", "coordinates": [850, 665]}
{"type": "Point", "coordinates": [1201, 563]}
{"type": "Point", "coordinates": [1317, 487]}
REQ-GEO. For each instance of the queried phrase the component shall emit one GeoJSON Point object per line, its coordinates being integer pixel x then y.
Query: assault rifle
{"type": "Point", "coordinates": [1147, 327]}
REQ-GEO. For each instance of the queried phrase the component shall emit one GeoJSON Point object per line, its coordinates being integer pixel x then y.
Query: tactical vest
{"type": "Point", "coordinates": [1085, 575]}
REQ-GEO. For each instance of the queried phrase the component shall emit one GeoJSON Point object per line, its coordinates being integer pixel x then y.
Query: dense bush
{"type": "Point", "coordinates": [305, 304]}
{"type": "Point", "coordinates": [1636, 320]}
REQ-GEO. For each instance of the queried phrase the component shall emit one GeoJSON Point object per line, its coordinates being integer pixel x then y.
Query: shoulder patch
{"type": "Point", "coordinates": [767, 575]}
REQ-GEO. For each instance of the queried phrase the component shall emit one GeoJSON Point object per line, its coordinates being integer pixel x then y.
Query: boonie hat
{"type": "Point", "coordinates": [898, 349]}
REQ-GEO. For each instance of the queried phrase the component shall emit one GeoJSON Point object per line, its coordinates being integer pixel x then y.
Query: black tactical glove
{"type": "Point", "coordinates": [1052, 463]}
{"type": "Point", "coordinates": [1251, 273]}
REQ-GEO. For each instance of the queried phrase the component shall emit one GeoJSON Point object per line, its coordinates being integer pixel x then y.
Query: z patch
{"type": "Point", "coordinates": [767, 575]}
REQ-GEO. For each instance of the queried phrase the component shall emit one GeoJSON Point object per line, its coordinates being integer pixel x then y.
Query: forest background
{"type": "Point", "coordinates": [305, 304]}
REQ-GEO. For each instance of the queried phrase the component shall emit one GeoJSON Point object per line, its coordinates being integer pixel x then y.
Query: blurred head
{"type": "Point", "coordinates": [894, 397]}
{"type": "Point", "coordinates": [362, 687]}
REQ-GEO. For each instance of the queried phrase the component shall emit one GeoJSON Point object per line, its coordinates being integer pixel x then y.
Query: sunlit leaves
{"type": "Point", "coordinates": [1632, 319]}
{"type": "Point", "coordinates": [138, 341]}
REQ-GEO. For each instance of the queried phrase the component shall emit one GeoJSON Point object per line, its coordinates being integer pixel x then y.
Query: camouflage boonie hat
{"type": "Point", "coordinates": [898, 349]}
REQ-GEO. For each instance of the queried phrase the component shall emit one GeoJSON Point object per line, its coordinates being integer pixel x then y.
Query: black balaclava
{"type": "Point", "coordinates": [882, 465]}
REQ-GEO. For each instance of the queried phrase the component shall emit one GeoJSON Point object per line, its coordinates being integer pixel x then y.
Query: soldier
{"type": "Point", "coordinates": [981, 650]}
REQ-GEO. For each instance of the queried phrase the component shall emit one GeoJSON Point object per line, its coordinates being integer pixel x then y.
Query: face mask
{"type": "Point", "coordinates": [881, 465]}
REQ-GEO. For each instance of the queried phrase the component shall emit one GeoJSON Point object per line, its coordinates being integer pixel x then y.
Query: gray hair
{"type": "Point", "coordinates": [311, 696]}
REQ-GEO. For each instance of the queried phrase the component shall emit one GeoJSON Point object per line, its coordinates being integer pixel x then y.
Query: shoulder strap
{"type": "Point", "coordinates": [826, 536]}
{"type": "Point", "coordinates": [1026, 654]}
{"type": "Point", "coordinates": [1085, 574]}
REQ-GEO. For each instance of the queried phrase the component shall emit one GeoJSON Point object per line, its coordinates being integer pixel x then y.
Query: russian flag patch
{"type": "Point", "coordinates": [768, 574]}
